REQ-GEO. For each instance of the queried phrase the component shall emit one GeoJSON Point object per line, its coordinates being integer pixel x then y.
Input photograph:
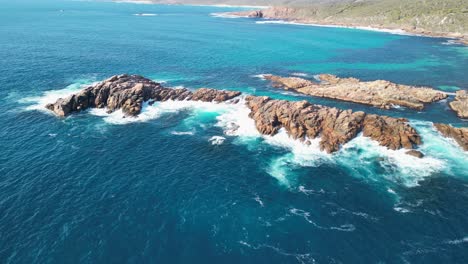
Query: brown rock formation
{"type": "Point", "coordinates": [335, 127]}
{"type": "Point", "coordinates": [382, 94]}
{"type": "Point", "coordinates": [460, 104]}
{"type": "Point", "coordinates": [460, 135]}
{"type": "Point", "coordinates": [129, 92]}
{"type": "Point", "coordinates": [269, 13]}
{"type": "Point", "coordinates": [301, 120]}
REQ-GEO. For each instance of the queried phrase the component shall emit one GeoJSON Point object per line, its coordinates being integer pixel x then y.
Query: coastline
{"type": "Point", "coordinates": [456, 38]}
{"type": "Point", "coordinates": [277, 15]}
{"type": "Point", "coordinates": [397, 31]}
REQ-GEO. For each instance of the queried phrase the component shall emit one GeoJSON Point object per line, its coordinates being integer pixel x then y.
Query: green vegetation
{"type": "Point", "coordinates": [436, 16]}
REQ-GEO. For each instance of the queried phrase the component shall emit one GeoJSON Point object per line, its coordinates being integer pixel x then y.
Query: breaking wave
{"type": "Point", "coordinates": [363, 157]}
{"type": "Point", "coordinates": [39, 102]}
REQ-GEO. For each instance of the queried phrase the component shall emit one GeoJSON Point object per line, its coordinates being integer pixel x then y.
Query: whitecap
{"type": "Point", "coordinates": [457, 241]}
{"type": "Point", "coordinates": [299, 74]}
{"type": "Point", "coordinates": [259, 201]}
{"type": "Point", "coordinates": [145, 14]}
{"type": "Point", "coordinates": [182, 133]}
{"type": "Point", "coordinates": [401, 210]}
{"type": "Point", "coordinates": [226, 15]}
{"type": "Point", "coordinates": [154, 111]}
{"type": "Point", "coordinates": [217, 140]}
{"type": "Point", "coordinates": [305, 191]}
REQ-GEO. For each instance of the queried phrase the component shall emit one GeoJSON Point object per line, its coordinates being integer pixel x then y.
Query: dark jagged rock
{"type": "Point", "coordinates": [129, 92]}
{"type": "Point", "coordinates": [380, 93]}
{"type": "Point", "coordinates": [460, 135]}
{"type": "Point", "coordinates": [335, 127]}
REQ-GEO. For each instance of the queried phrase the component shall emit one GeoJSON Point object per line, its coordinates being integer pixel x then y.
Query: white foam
{"type": "Point", "coordinates": [151, 112]}
{"type": "Point", "coordinates": [182, 133]}
{"type": "Point", "coordinates": [259, 201]}
{"type": "Point", "coordinates": [307, 217]}
{"type": "Point", "coordinates": [457, 241]}
{"type": "Point", "coordinates": [226, 15]}
{"type": "Point", "coordinates": [217, 140]}
{"type": "Point", "coordinates": [145, 14]}
{"type": "Point", "coordinates": [401, 210]}
{"type": "Point", "coordinates": [235, 121]}
{"type": "Point", "coordinates": [391, 31]}
{"type": "Point", "coordinates": [303, 154]}
{"type": "Point", "coordinates": [259, 76]}
{"type": "Point", "coordinates": [39, 102]}
{"type": "Point", "coordinates": [299, 74]}
{"type": "Point", "coordinates": [361, 153]}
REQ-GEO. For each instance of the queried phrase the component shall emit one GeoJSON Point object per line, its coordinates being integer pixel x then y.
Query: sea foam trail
{"type": "Point", "coordinates": [145, 14]}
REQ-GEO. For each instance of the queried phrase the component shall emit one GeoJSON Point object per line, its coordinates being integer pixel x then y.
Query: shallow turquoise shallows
{"type": "Point", "coordinates": [177, 185]}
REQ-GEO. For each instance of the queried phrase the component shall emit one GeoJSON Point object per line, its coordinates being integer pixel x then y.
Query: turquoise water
{"type": "Point", "coordinates": [96, 188]}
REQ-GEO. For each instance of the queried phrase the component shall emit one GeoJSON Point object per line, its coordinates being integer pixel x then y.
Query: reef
{"type": "Point", "coordinates": [380, 93]}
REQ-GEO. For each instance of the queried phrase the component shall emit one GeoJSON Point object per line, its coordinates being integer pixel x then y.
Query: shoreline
{"type": "Point", "coordinates": [396, 31]}
{"type": "Point", "coordinates": [277, 18]}
{"type": "Point", "coordinates": [455, 38]}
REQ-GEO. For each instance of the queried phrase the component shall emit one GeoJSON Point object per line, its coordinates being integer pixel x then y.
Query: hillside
{"type": "Point", "coordinates": [429, 17]}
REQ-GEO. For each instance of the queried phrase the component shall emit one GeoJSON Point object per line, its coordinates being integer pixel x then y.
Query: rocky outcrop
{"type": "Point", "coordinates": [129, 92]}
{"type": "Point", "coordinates": [460, 135]}
{"type": "Point", "coordinates": [269, 13]}
{"type": "Point", "coordinates": [382, 94]}
{"type": "Point", "coordinates": [460, 104]}
{"type": "Point", "coordinates": [335, 127]}
{"type": "Point", "coordinates": [302, 120]}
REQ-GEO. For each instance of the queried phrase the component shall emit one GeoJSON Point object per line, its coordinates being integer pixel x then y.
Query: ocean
{"type": "Point", "coordinates": [178, 184]}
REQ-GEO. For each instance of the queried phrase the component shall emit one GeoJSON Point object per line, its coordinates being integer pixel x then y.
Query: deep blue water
{"type": "Point", "coordinates": [94, 188]}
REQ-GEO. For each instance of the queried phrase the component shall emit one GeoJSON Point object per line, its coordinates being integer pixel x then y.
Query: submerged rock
{"type": "Point", "coordinates": [460, 135]}
{"type": "Point", "coordinates": [382, 94]}
{"type": "Point", "coordinates": [460, 104]}
{"type": "Point", "coordinates": [415, 153]}
{"type": "Point", "coordinates": [129, 92]}
{"type": "Point", "coordinates": [335, 127]}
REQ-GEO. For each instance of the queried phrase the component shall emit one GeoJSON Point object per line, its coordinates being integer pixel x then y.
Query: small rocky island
{"type": "Point", "coordinates": [128, 93]}
{"type": "Point", "coordinates": [382, 94]}
{"type": "Point", "coordinates": [302, 120]}
{"type": "Point", "coordinates": [460, 104]}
